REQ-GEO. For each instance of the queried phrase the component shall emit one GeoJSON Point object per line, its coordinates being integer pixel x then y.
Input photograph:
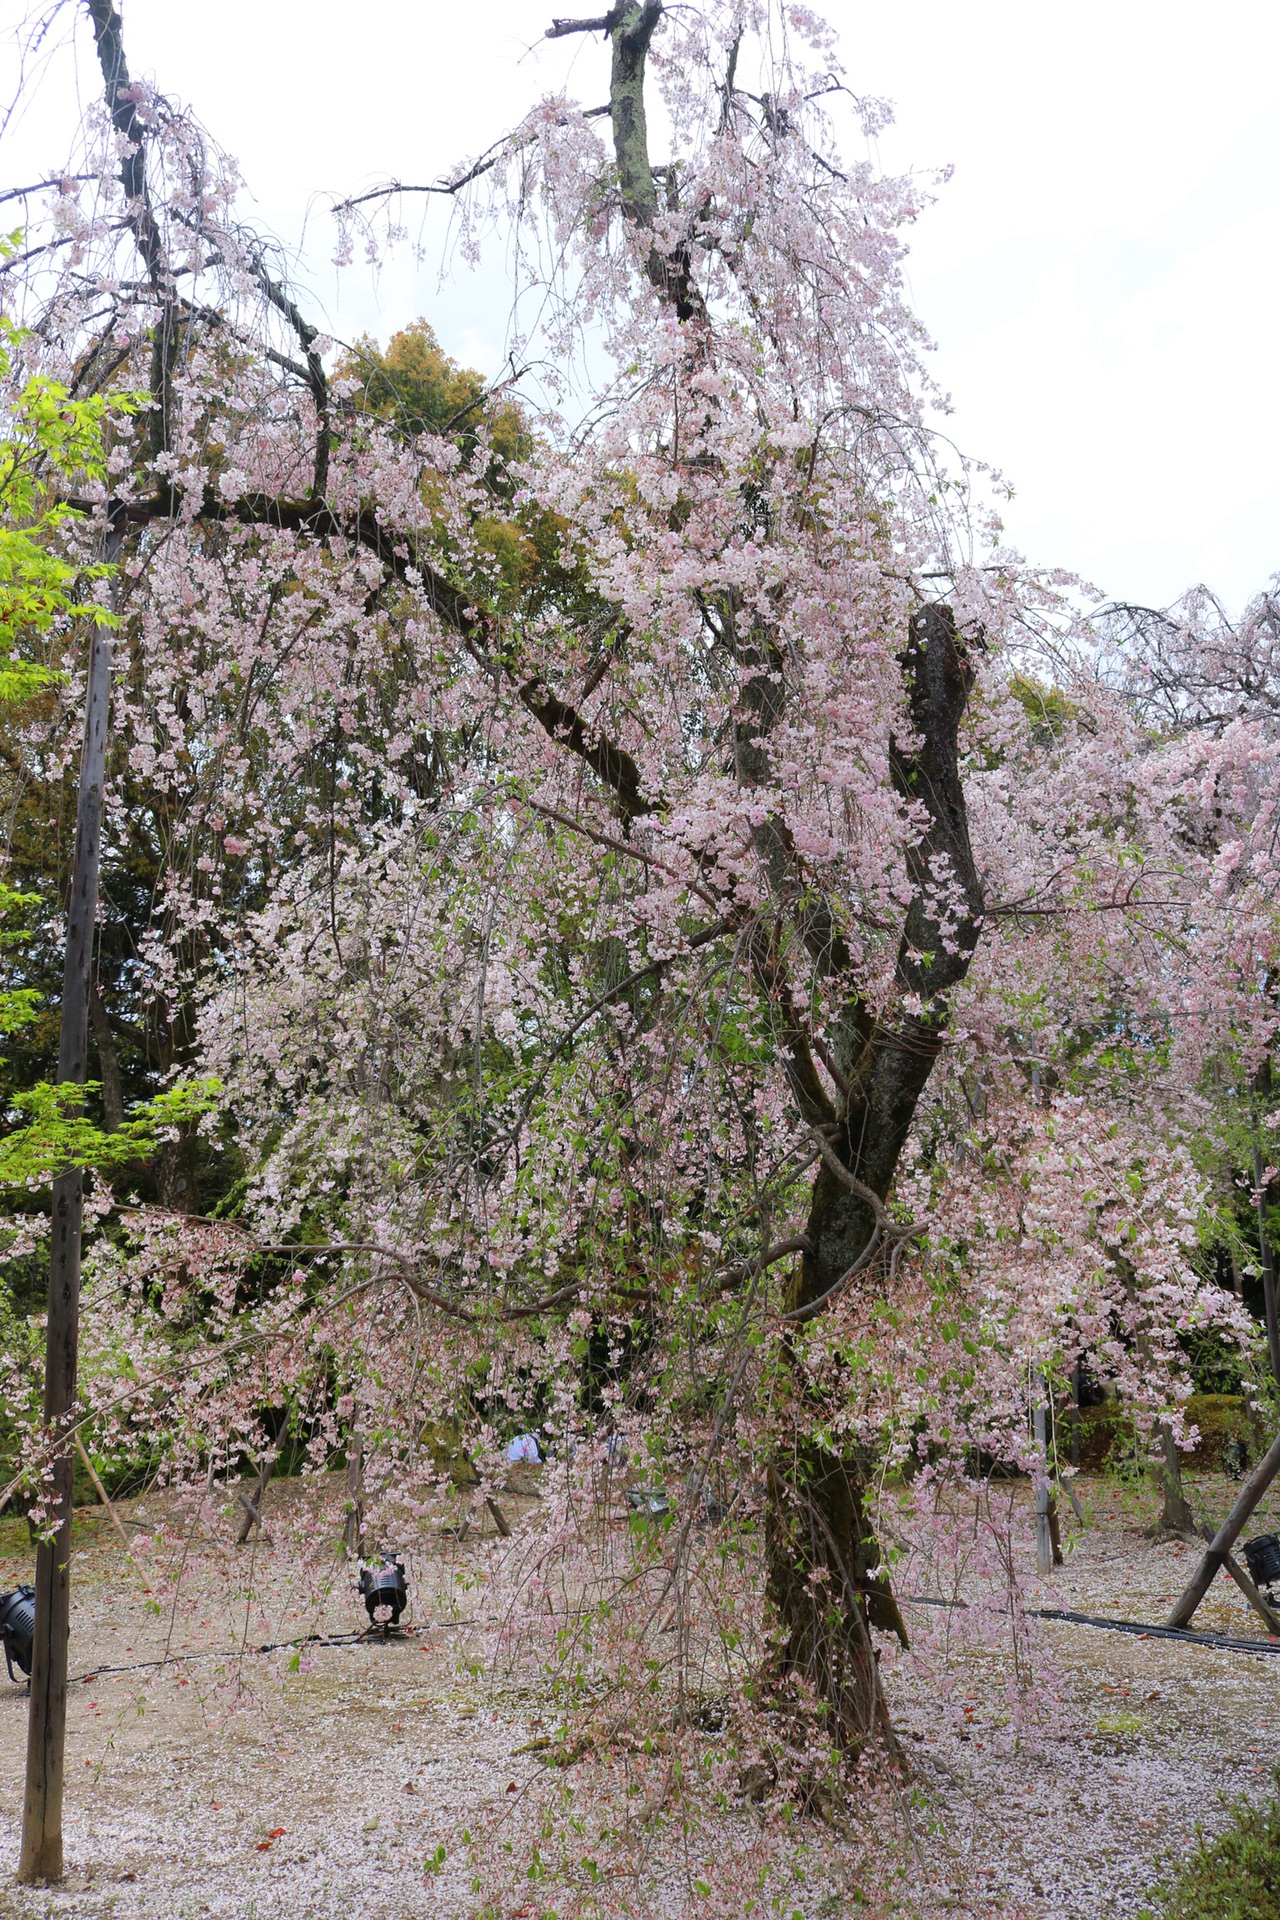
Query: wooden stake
{"type": "Point", "coordinates": [499, 1518]}
{"type": "Point", "coordinates": [1044, 1526]}
{"type": "Point", "coordinates": [1068, 1488]}
{"type": "Point", "coordinates": [101, 1492]}
{"type": "Point", "coordinates": [1227, 1535]}
{"type": "Point", "coordinates": [41, 1853]}
{"type": "Point", "coordinates": [1262, 1088]}
{"type": "Point", "coordinates": [1055, 1536]}
{"type": "Point", "coordinates": [252, 1514]}
{"type": "Point", "coordinates": [353, 1531]}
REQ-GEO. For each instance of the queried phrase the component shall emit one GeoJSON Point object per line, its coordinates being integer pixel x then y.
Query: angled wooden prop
{"type": "Point", "coordinates": [1219, 1549]}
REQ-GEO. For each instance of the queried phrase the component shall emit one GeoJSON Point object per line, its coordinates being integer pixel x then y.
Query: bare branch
{"type": "Point", "coordinates": [485, 164]}
{"type": "Point", "coordinates": [619, 846]}
{"type": "Point", "coordinates": [603, 23]}
{"type": "Point", "coordinates": [43, 186]}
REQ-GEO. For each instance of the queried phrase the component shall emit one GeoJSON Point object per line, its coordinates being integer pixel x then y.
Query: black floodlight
{"type": "Point", "coordinates": [384, 1589]}
{"type": "Point", "coordinates": [1263, 1556]}
{"type": "Point", "coordinates": [17, 1627]}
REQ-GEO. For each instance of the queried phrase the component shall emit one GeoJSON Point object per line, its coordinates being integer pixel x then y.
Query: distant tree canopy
{"type": "Point", "coordinates": [415, 384]}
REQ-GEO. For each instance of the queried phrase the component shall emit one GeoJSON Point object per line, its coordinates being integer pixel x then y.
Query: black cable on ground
{"type": "Point", "coordinates": [1225, 1641]}
{"type": "Point", "coordinates": [372, 1635]}
{"type": "Point", "coordinates": [1190, 1634]}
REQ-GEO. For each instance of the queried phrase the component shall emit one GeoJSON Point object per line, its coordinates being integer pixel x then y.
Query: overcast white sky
{"type": "Point", "coordinates": [1101, 274]}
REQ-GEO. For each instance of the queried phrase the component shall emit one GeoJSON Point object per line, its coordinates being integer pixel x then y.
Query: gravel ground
{"type": "Point", "coordinates": [1151, 1735]}
{"type": "Point", "coordinates": [324, 1785]}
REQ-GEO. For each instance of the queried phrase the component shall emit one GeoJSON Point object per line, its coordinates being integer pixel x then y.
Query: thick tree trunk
{"type": "Point", "coordinates": [822, 1588]}
{"type": "Point", "coordinates": [823, 1561]}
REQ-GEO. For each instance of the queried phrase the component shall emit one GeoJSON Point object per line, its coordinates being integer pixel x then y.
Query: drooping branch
{"type": "Point", "coordinates": [562, 722]}
{"type": "Point", "coordinates": [45, 186]}
{"type": "Point", "coordinates": [282, 513]}
{"type": "Point", "coordinates": [803, 1078]}
{"type": "Point", "coordinates": [485, 164]}
{"type": "Point", "coordinates": [611, 763]}
{"type": "Point", "coordinates": [620, 846]}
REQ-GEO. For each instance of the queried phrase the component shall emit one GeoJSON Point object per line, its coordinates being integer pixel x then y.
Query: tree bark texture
{"type": "Point", "coordinates": [108, 1061]}
{"type": "Point", "coordinates": [823, 1561]}
{"type": "Point", "coordinates": [1175, 1508]}
{"type": "Point", "coordinates": [41, 1852]}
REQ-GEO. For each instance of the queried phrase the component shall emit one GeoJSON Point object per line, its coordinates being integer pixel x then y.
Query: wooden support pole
{"type": "Point", "coordinates": [252, 1508]}
{"type": "Point", "coordinates": [1055, 1533]}
{"type": "Point", "coordinates": [353, 1529]}
{"type": "Point", "coordinates": [1227, 1535]}
{"type": "Point", "coordinates": [40, 1857]}
{"type": "Point", "coordinates": [101, 1492]}
{"type": "Point", "coordinates": [1069, 1489]}
{"type": "Point", "coordinates": [1268, 1257]}
{"type": "Point", "coordinates": [1044, 1499]}
{"type": "Point", "coordinates": [499, 1518]}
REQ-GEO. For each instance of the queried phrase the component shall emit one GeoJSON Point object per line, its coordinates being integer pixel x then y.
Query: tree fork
{"type": "Point", "coordinates": [41, 1855]}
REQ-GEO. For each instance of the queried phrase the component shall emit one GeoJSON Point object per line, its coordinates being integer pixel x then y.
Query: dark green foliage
{"type": "Point", "coordinates": [1217, 1365]}
{"type": "Point", "coordinates": [1107, 1434]}
{"type": "Point", "coordinates": [1235, 1877]}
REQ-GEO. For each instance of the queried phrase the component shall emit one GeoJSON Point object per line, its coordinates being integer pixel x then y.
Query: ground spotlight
{"type": "Point", "coordinates": [384, 1589]}
{"type": "Point", "coordinates": [17, 1626]}
{"type": "Point", "coordinates": [1263, 1557]}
